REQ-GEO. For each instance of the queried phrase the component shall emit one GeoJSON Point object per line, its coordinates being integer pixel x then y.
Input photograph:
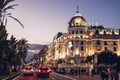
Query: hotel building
{"type": "Point", "coordinates": [82, 40]}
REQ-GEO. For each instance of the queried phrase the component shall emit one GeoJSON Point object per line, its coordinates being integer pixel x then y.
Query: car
{"type": "Point", "coordinates": [43, 72]}
{"type": "Point", "coordinates": [28, 70]}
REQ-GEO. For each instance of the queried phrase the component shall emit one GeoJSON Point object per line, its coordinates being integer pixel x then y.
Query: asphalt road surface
{"type": "Point", "coordinates": [53, 76]}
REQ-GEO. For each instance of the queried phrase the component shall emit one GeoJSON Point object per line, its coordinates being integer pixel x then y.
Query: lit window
{"type": "Point", "coordinates": [72, 24]}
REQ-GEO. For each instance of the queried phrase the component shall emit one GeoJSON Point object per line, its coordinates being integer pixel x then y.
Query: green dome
{"type": "Point", "coordinates": [77, 14]}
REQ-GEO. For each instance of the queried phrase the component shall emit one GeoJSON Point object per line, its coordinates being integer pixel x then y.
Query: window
{"type": "Point", "coordinates": [81, 32]}
{"type": "Point", "coordinates": [82, 48]}
{"type": "Point", "coordinates": [98, 42]}
{"type": "Point", "coordinates": [72, 32]}
{"type": "Point", "coordinates": [105, 43]}
{"type": "Point", "coordinates": [114, 43]}
{"type": "Point", "coordinates": [98, 48]}
{"type": "Point", "coordinates": [106, 49]}
{"type": "Point", "coordinates": [72, 24]}
{"type": "Point", "coordinates": [82, 43]}
{"type": "Point", "coordinates": [77, 24]}
{"type": "Point", "coordinates": [114, 49]}
{"type": "Point", "coordinates": [72, 48]}
{"type": "Point", "coordinates": [76, 32]}
{"type": "Point", "coordinates": [97, 32]}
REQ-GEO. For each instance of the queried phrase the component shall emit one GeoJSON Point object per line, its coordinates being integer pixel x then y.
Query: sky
{"type": "Point", "coordinates": [43, 19]}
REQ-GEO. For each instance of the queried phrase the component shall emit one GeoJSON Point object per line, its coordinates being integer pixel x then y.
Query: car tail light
{"type": "Point", "coordinates": [39, 70]}
{"type": "Point", "coordinates": [24, 70]}
{"type": "Point", "coordinates": [48, 71]}
{"type": "Point", "coordinates": [32, 70]}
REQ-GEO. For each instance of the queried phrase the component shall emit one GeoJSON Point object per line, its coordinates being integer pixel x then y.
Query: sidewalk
{"type": "Point", "coordinates": [80, 77]}
{"type": "Point", "coordinates": [84, 77]}
{"type": "Point", "coordinates": [87, 77]}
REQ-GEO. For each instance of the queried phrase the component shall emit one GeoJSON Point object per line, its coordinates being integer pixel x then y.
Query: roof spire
{"type": "Point", "coordinates": [77, 12]}
{"type": "Point", "coordinates": [77, 9]}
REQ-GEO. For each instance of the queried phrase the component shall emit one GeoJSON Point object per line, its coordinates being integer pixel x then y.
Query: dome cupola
{"type": "Point", "coordinates": [77, 20]}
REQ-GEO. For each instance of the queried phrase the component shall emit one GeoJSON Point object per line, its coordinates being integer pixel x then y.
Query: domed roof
{"type": "Point", "coordinates": [78, 19]}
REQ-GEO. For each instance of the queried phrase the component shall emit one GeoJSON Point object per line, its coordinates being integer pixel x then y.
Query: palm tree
{"type": "Point", "coordinates": [3, 48]}
{"type": "Point", "coordinates": [7, 47]}
{"type": "Point", "coordinates": [12, 44]}
{"type": "Point", "coordinates": [4, 6]}
{"type": "Point", "coordinates": [22, 49]}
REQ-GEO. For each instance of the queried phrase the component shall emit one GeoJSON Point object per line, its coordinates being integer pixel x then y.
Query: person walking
{"type": "Point", "coordinates": [79, 71]}
{"type": "Point", "coordinates": [93, 72]}
{"type": "Point", "coordinates": [116, 76]}
{"type": "Point", "coordinates": [102, 75]}
{"type": "Point", "coordinates": [76, 72]}
{"type": "Point", "coordinates": [112, 74]}
{"type": "Point", "coordinates": [106, 75]}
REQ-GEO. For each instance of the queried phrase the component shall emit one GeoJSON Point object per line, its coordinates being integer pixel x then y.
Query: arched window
{"type": "Point", "coordinates": [81, 32]}
{"type": "Point", "coordinates": [72, 32]}
{"type": "Point", "coordinates": [77, 32]}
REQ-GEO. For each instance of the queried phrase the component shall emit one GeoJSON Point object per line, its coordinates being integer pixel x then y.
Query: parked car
{"type": "Point", "coordinates": [43, 72]}
{"type": "Point", "coordinates": [28, 70]}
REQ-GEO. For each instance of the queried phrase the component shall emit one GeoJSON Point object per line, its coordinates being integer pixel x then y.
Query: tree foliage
{"type": "Point", "coordinates": [8, 47]}
{"type": "Point", "coordinates": [107, 57]}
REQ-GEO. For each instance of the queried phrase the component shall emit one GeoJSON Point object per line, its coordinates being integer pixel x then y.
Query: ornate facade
{"type": "Point", "coordinates": [82, 40]}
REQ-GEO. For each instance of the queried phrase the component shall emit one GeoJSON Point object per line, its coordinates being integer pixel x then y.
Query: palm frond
{"type": "Point", "coordinates": [7, 2]}
{"type": "Point", "coordinates": [8, 14]}
{"type": "Point", "coordinates": [3, 18]}
{"type": "Point", "coordinates": [1, 3]}
{"type": "Point", "coordinates": [9, 7]}
{"type": "Point", "coordinates": [16, 20]}
{"type": "Point", "coordinates": [5, 22]}
{"type": "Point", "coordinates": [28, 46]}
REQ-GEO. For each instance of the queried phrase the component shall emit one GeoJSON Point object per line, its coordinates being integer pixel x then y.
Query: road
{"type": "Point", "coordinates": [53, 76]}
{"type": "Point", "coordinates": [56, 76]}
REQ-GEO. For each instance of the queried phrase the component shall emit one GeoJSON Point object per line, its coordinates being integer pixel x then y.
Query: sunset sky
{"type": "Point", "coordinates": [44, 18]}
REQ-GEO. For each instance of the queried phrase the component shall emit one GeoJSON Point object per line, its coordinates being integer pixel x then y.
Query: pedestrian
{"type": "Point", "coordinates": [112, 74]}
{"type": "Point", "coordinates": [75, 71]}
{"type": "Point", "coordinates": [102, 75]}
{"type": "Point", "coordinates": [93, 72]}
{"type": "Point", "coordinates": [116, 76]}
{"type": "Point", "coordinates": [79, 71]}
{"type": "Point", "coordinates": [82, 71]}
{"type": "Point", "coordinates": [106, 75]}
{"type": "Point", "coordinates": [72, 71]}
